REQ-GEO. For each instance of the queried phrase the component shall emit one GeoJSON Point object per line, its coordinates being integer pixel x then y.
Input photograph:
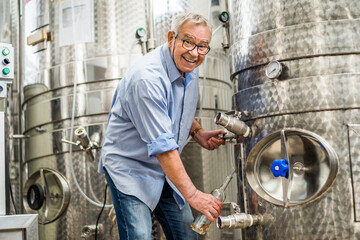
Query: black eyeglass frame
{"type": "Point", "coordinates": [195, 45]}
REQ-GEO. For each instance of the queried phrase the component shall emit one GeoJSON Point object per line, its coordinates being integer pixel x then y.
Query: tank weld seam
{"type": "Point", "coordinates": [299, 112]}
{"type": "Point", "coordinates": [332, 77]}
{"type": "Point", "coordinates": [67, 86]}
{"type": "Point", "coordinates": [64, 119]}
{"type": "Point", "coordinates": [49, 155]}
{"type": "Point", "coordinates": [232, 76]}
{"type": "Point", "coordinates": [294, 27]}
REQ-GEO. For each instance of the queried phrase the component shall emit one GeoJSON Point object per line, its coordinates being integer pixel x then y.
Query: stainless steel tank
{"type": "Point", "coordinates": [93, 57]}
{"type": "Point", "coordinates": [207, 169]}
{"type": "Point", "coordinates": [92, 49]}
{"type": "Point", "coordinates": [296, 67]}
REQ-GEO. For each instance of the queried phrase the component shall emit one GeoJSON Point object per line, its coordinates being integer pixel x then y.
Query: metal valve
{"type": "Point", "coordinates": [231, 121]}
{"type": "Point", "coordinates": [84, 142]}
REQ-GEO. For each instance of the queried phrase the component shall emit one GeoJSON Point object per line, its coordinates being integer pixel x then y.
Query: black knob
{"type": "Point", "coordinates": [6, 61]}
{"type": "Point", "coordinates": [35, 196]}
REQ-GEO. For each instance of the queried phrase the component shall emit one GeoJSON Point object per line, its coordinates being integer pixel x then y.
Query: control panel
{"type": "Point", "coordinates": [6, 61]}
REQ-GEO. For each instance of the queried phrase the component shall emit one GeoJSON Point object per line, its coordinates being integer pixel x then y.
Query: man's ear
{"type": "Point", "coordinates": [171, 36]}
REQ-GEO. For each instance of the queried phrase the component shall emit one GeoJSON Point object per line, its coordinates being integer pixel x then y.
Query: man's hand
{"type": "Point", "coordinates": [209, 139]}
{"type": "Point", "coordinates": [174, 169]}
{"type": "Point", "coordinates": [205, 203]}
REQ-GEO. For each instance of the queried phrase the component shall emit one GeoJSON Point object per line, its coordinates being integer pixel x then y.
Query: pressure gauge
{"type": "Point", "coordinates": [224, 17]}
{"type": "Point", "coordinates": [273, 69]}
{"type": "Point", "coordinates": [140, 32]}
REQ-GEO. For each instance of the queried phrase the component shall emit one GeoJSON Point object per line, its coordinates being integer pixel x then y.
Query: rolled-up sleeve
{"type": "Point", "coordinates": [148, 108]}
{"type": "Point", "coordinates": [165, 142]}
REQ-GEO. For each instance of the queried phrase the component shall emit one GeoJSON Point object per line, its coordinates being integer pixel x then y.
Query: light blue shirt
{"type": "Point", "coordinates": [152, 112]}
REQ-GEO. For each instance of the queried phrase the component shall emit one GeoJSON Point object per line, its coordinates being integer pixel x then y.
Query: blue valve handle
{"type": "Point", "coordinates": [280, 168]}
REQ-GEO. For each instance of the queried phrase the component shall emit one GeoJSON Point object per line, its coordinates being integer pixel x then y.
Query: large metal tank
{"type": "Point", "coordinates": [303, 108]}
{"type": "Point", "coordinates": [93, 57]}
{"type": "Point", "coordinates": [207, 169]}
{"type": "Point", "coordinates": [92, 49]}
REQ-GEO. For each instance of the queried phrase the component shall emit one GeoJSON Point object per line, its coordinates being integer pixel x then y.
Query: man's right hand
{"type": "Point", "coordinates": [205, 203]}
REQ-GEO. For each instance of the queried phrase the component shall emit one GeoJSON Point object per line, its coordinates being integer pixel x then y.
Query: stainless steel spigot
{"type": "Point", "coordinates": [239, 219]}
{"type": "Point", "coordinates": [233, 124]}
{"type": "Point", "coordinates": [84, 142]}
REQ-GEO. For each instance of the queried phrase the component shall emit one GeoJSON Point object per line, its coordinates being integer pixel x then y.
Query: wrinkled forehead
{"type": "Point", "coordinates": [196, 32]}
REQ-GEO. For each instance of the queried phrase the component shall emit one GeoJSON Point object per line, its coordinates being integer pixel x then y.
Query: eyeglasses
{"type": "Point", "coordinates": [188, 45]}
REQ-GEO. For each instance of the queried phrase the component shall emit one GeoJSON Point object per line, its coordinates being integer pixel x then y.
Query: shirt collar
{"type": "Point", "coordinates": [173, 72]}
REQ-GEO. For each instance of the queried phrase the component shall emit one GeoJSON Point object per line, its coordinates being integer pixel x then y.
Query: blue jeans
{"type": "Point", "coordinates": [134, 217]}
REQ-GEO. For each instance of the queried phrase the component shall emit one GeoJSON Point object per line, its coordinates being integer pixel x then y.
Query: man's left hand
{"type": "Point", "coordinates": [210, 139]}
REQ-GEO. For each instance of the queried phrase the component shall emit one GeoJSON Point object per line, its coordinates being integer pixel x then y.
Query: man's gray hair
{"type": "Point", "coordinates": [179, 20]}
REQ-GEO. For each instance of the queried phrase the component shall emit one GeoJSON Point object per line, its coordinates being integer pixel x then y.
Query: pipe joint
{"type": "Point", "coordinates": [238, 220]}
{"type": "Point", "coordinates": [233, 123]}
{"type": "Point", "coordinates": [84, 143]}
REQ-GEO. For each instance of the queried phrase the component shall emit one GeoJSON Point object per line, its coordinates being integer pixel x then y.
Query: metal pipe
{"type": "Point", "coordinates": [83, 137]}
{"type": "Point", "coordinates": [233, 124]}
{"type": "Point", "coordinates": [238, 220]}
{"type": "Point", "coordinates": [19, 85]}
{"type": "Point", "coordinates": [151, 40]}
{"type": "Point", "coordinates": [224, 5]}
{"type": "Point", "coordinates": [2, 164]}
{"type": "Point", "coordinates": [85, 142]}
{"type": "Point", "coordinates": [243, 176]}
{"type": "Point", "coordinates": [88, 231]}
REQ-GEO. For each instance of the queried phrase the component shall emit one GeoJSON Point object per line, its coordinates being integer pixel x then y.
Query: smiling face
{"type": "Point", "coordinates": [185, 60]}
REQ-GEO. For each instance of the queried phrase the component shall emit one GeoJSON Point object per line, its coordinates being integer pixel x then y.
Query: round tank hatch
{"type": "Point", "coordinates": [291, 167]}
{"type": "Point", "coordinates": [46, 193]}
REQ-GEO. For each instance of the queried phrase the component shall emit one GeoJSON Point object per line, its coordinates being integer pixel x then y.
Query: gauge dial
{"type": "Point", "coordinates": [224, 17]}
{"type": "Point", "coordinates": [273, 69]}
{"type": "Point", "coordinates": [140, 32]}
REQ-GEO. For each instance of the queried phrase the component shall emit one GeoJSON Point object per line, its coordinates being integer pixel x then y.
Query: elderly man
{"type": "Point", "coordinates": [151, 117]}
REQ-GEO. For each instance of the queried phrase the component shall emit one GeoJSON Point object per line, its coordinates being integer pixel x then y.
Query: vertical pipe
{"type": "Point", "coordinates": [224, 6]}
{"type": "Point", "coordinates": [2, 164]}
{"type": "Point", "coordinates": [242, 162]}
{"type": "Point", "coordinates": [19, 87]}
{"type": "Point", "coordinates": [151, 41]}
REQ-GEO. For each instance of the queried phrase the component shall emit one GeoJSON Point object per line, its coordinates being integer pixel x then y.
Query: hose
{"type": "Point", "coordinates": [72, 123]}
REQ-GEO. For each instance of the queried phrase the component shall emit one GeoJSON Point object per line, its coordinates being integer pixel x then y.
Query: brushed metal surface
{"type": "Point", "coordinates": [207, 169]}
{"type": "Point", "coordinates": [333, 213]}
{"type": "Point", "coordinates": [49, 76]}
{"type": "Point", "coordinates": [310, 39]}
{"type": "Point", "coordinates": [317, 43]}
{"type": "Point", "coordinates": [97, 67]}
{"type": "Point", "coordinates": [354, 138]}
{"type": "Point", "coordinates": [56, 195]}
{"type": "Point", "coordinates": [335, 92]}
{"type": "Point", "coordinates": [316, 162]}
{"type": "Point", "coordinates": [284, 29]}
{"type": "Point", "coordinates": [329, 66]}
{"type": "Point", "coordinates": [263, 15]}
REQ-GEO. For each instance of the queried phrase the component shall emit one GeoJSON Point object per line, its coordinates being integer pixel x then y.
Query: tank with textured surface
{"type": "Point", "coordinates": [295, 64]}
